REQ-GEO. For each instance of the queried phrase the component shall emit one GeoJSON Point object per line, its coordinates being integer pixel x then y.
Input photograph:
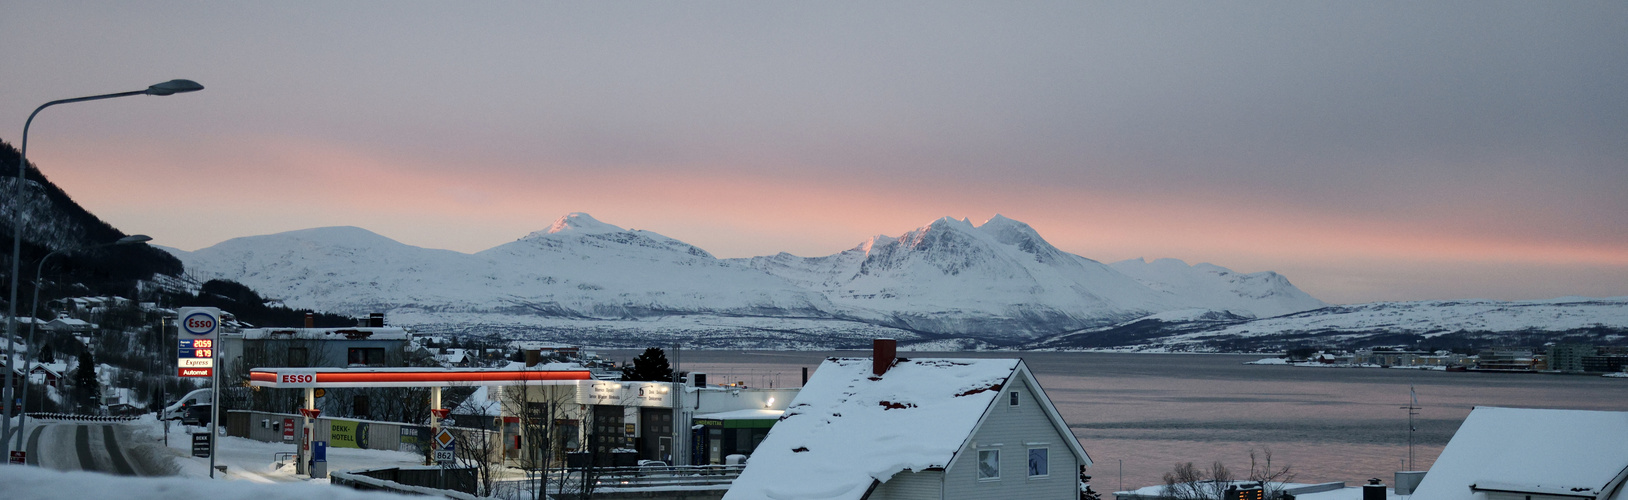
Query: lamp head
{"type": "Point", "coordinates": [134, 238]}
{"type": "Point", "coordinates": [173, 87]}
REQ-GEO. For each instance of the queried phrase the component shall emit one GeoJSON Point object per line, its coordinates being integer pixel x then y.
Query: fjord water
{"type": "Point", "coordinates": [1152, 411]}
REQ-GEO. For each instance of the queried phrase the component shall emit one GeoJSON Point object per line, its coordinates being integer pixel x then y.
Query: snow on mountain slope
{"type": "Point", "coordinates": [953, 277]}
{"type": "Point", "coordinates": [999, 280]}
{"type": "Point", "coordinates": [1438, 317]}
{"type": "Point", "coordinates": [1262, 294]}
{"type": "Point", "coordinates": [1572, 319]}
{"type": "Point", "coordinates": [579, 268]}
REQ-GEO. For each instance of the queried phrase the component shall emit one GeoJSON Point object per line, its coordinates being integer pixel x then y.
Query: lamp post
{"type": "Point", "coordinates": [33, 316]}
{"type": "Point", "coordinates": [166, 88]}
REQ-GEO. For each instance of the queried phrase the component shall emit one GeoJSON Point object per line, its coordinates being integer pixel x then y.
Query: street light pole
{"type": "Point", "coordinates": [167, 88]}
{"type": "Point", "coordinates": [34, 320]}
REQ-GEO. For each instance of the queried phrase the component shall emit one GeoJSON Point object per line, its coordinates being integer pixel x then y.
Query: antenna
{"type": "Point", "coordinates": [1413, 410]}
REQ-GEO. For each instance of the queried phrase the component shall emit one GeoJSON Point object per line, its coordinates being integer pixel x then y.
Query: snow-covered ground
{"type": "Point", "coordinates": [250, 467]}
{"type": "Point", "coordinates": [35, 483]}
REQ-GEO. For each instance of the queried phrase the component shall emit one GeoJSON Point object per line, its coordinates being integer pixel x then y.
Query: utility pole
{"type": "Point", "coordinates": [1413, 409]}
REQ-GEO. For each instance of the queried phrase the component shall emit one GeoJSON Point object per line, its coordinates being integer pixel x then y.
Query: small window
{"type": "Point", "coordinates": [989, 464]}
{"type": "Point", "coordinates": [1039, 462]}
{"type": "Point", "coordinates": [1014, 398]}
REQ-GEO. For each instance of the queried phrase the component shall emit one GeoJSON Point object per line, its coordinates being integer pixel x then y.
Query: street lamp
{"type": "Point", "coordinates": [165, 88]}
{"type": "Point", "coordinates": [33, 316]}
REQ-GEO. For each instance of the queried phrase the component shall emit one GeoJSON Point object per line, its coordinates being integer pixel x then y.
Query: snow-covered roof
{"type": "Point", "coordinates": [848, 428]}
{"type": "Point", "coordinates": [1534, 451]}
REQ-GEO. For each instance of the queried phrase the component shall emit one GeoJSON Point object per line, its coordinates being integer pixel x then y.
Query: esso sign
{"type": "Point", "coordinates": [199, 322]}
{"type": "Point", "coordinates": [296, 378]}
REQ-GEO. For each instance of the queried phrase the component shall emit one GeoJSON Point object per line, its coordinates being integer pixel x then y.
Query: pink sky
{"type": "Point", "coordinates": [1401, 152]}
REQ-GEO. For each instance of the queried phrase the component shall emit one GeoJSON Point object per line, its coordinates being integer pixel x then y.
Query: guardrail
{"type": "Point", "coordinates": [569, 480]}
{"type": "Point", "coordinates": [355, 480]}
{"type": "Point", "coordinates": [79, 418]}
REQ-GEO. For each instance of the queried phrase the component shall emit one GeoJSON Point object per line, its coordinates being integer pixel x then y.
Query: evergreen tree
{"type": "Point", "coordinates": [652, 366]}
{"type": "Point", "coordinates": [47, 355]}
{"type": "Point", "coordinates": [87, 389]}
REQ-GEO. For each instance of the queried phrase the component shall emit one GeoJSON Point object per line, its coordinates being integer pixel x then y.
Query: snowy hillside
{"type": "Point", "coordinates": [1575, 319]}
{"type": "Point", "coordinates": [1263, 294]}
{"type": "Point", "coordinates": [949, 279]}
{"type": "Point", "coordinates": [578, 268]}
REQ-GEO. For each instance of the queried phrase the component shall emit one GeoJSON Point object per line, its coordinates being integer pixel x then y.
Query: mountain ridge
{"type": "Point", "coordinates": [1000, 280]}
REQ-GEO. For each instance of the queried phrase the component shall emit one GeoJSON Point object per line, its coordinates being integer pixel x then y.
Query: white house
{"type": "Point", "coordinates": [1532, 454]}
{"type": "Point", "coordinates": [888, 428]}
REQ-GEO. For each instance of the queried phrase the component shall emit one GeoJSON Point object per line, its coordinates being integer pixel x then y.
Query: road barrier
{"type": "Point", "coordinates": [79, 418]}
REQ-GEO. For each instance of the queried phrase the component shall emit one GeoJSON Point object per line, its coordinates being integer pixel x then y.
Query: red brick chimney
{"type": "Point", "coordinates": [884, 352]}
{"type": "Point", "coordinates": [310, 320]}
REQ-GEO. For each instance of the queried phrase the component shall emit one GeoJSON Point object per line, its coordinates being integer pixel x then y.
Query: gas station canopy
{"type": "Point", "coordinates": [283, 378]}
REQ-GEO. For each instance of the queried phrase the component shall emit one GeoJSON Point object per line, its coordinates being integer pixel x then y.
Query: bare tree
{"type": "Point", "coordinates": [1271, 479]}
{"type": "Point", "coordinates": [1188, 482]}
{"type": "Point", "coordinates": [476, 448]}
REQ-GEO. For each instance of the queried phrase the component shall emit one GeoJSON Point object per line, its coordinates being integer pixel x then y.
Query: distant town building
{"type": "Point", "coordinates": [1569, 357]}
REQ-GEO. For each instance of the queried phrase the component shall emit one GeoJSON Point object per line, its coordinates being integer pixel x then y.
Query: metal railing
{"type": "Point", "coordinates": [569, 480]}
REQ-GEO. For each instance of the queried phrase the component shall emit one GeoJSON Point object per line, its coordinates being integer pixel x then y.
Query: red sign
{"type": "Point", "coordinates": [18, 456]}
{"type": "Point", "coordinates": [197, 372]}
{"type": "Point", "coordinates": [288, 429]}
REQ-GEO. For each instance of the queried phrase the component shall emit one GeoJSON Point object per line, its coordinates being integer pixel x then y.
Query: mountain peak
{"type": "Point", "coordinates": [577, 223]}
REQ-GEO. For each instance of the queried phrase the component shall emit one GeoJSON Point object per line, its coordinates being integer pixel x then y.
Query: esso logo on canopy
{"type": "Point", "coordinates": [199, 324]}
{"type": "Point", "coordinates": [297, 378]}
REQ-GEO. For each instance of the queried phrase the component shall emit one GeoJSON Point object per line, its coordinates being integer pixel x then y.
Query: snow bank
{"type": "Point", "coordinates": [34, 483]}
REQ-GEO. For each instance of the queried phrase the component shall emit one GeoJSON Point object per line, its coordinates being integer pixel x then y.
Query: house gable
{"type": "Point", "coordinates": [1010, 432]}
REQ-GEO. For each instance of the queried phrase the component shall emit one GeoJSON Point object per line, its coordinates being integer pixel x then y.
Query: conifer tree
{"type": "Point", "coordinates": [87, 389]}
{"type": "Point", "coordinates": [652, 366]}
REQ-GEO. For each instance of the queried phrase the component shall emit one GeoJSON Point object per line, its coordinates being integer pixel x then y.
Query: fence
{"type": "Point", "coordinates": [568, 481]}
{"type": "Point", "coordinates": [426, 481]}
{"type": "Point", "coordinates": [80, 418]}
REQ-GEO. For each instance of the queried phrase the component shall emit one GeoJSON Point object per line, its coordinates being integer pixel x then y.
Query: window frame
{"type": "Point", "coordinates": [1045, 453]}
{"type": "Point", "coordinates": [996, 452]}
{"type": "Point", "coordinates": [1014, 398]}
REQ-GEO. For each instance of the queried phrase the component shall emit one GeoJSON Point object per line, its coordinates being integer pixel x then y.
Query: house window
{"type": "Point", "coordinates": [1014, 398]}
{"type": "Point", "coordinates": [1039, 462]}
{"type": "Point", "coordinates": [989, 465]}
{"type": "Point", "coordinates": [365, 356]}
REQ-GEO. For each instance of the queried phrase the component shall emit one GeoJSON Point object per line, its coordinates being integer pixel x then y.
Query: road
{"type": "Point", "coordinates": [111, 448]}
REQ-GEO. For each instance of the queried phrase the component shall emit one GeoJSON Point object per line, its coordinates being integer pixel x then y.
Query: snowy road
{"type": "Point", "coordinates": [101, 447]}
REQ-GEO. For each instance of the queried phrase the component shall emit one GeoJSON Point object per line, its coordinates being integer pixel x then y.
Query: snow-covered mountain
{"type": "Point", "coordinates": [578, 268]}
{"type": "Point", "coordinates": [953, 277]}
{"type": "Point", "coordinates": [1263, 294]}
{"type": "Point", "coordinates": [999, 280]}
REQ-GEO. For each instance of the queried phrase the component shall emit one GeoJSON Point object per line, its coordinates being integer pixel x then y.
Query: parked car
{"type": "Point", "coordinates": [198, 415]}
{"type": "Point", "coordinates": [178, 410]}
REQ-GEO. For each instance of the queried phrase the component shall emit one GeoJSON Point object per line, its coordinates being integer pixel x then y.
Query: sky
{"type": "Point", "coordinates": [1366, 150]}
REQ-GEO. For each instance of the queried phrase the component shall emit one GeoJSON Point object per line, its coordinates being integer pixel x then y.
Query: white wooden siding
{"type": "Point", "coordinates": [1012, 430]}
{"type": "Point", "coordinates": [925, 485]}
